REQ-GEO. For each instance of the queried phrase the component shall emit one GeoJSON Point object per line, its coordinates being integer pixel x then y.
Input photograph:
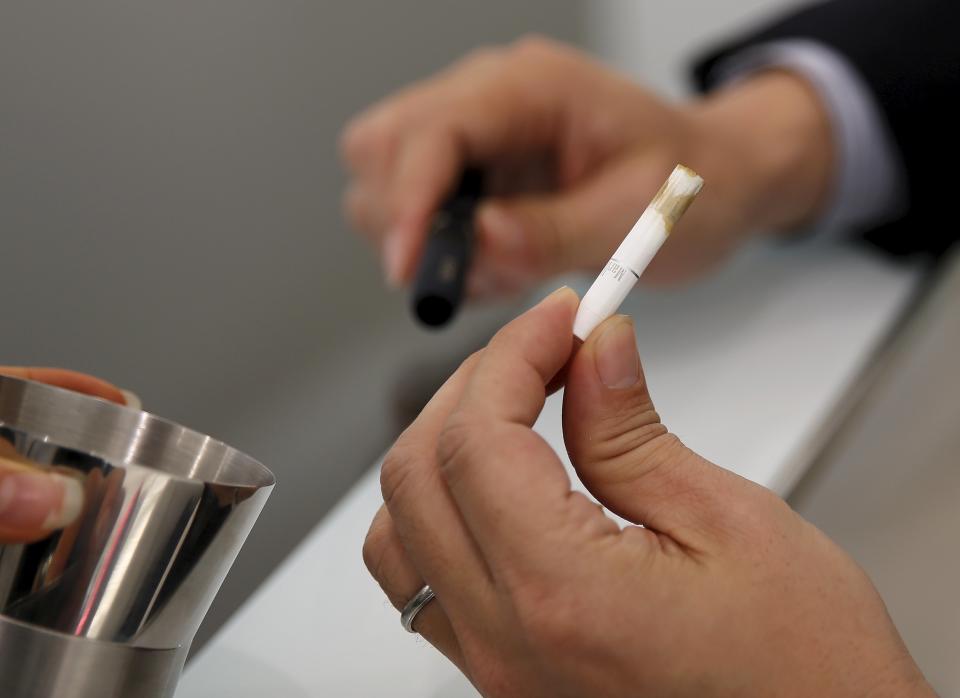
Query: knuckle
{"type": "Point", "coordinates": [457, 441]}
{"type": "Point", "coordinates": [375, 547]}
{"type": "Point", "coordinates": [624, 432]}
{"type": "Point", "coordinates": [514, 339]}
{"type": "Point", "coordinates": [368, 138]}
{"type": "Point", "coordinates": [351, 142]}
{"type": "Point", "coordinates": [385, 562]}
{"type": "Point", "coordinates": [662, 454]}
{"type": "Point", "coordinates": [456, 435]}
{"type": "Point", "coordinates": [396, 471]}
{"type": "Point", "coordinates": [469, 364]}
{"type": "Point", "coordinates": [361, 213]}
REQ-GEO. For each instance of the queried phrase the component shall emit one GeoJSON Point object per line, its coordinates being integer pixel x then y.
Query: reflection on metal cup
{"type": "Point", "coordinates": [166, 510]}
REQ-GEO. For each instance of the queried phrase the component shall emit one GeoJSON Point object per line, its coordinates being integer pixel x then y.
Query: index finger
{"type": "Point", "coordinates": [417, 142]}
{"type": "Point", "coordinates": [508, 483]}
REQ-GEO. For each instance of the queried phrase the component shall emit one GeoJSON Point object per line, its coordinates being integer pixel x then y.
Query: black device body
{"type": "Point", "coordinates": [439, 286]}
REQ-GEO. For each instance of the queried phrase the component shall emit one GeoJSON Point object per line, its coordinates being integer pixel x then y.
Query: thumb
{"type": "Point", "coordinates": [625, 456]}
{"type": "Point", "coordinates": [33, 502]}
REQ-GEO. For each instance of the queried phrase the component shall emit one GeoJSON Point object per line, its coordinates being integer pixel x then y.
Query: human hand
{"type": "Point", "coordinates": [574, 153]}
{"type": "Point", "coordinates": [34, 502]}
{"type": "Point", "coordinates": [724, 591]}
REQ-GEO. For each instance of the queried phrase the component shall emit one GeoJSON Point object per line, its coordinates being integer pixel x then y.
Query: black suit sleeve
{"type": "Point", "coordinates": [908, 52]}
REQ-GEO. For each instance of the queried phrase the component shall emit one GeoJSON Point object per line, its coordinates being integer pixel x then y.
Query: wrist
{"type": "Point", "coordinates": [769, 139]}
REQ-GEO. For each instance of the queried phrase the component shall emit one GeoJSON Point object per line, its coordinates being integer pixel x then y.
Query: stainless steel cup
{"type": "Point", "coordinates": [109, 605]}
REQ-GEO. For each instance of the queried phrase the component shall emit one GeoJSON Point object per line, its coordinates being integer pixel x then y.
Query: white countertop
{"type": "Point", "coordinates": [745, 368]}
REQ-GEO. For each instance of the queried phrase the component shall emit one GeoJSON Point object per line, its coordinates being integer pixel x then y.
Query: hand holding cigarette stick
{"type": "Point", "coordinates": [723, 590]}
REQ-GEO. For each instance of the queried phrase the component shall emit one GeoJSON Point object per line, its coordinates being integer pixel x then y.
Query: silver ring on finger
{"type": "Point", "coordinates": [414, 606]}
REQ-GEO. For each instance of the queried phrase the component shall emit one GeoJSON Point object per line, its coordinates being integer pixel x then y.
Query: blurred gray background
{"type": "Point", "coordinates": [170, 220]}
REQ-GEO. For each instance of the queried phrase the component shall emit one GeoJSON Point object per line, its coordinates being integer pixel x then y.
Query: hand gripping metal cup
{"type": "Point", "coordinates": [108, 606]}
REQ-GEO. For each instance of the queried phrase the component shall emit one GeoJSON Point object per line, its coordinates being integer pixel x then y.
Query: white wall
{"type": "Point", "coordinates": [654, 40]}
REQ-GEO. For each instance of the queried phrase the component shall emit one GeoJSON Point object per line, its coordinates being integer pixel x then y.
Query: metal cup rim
{"type": "Point", "coordinates": [121, 435]}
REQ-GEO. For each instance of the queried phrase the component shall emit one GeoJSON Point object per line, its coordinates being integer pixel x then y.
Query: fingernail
{"type": "Point", "coordinates": [615, 355]}
{"type": "Point", "coordinates": [39, 500]}
{"type": "Point", "coordinates": [565, 292]}
{"type": "Point", "coordinates": [502, 230]}
{"type": "Point", "coordinates": [393, 258]}
{"type": "Point", "coordinates": [131, 399]}
{"type": "Point", "coordinates": [70, 505]}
